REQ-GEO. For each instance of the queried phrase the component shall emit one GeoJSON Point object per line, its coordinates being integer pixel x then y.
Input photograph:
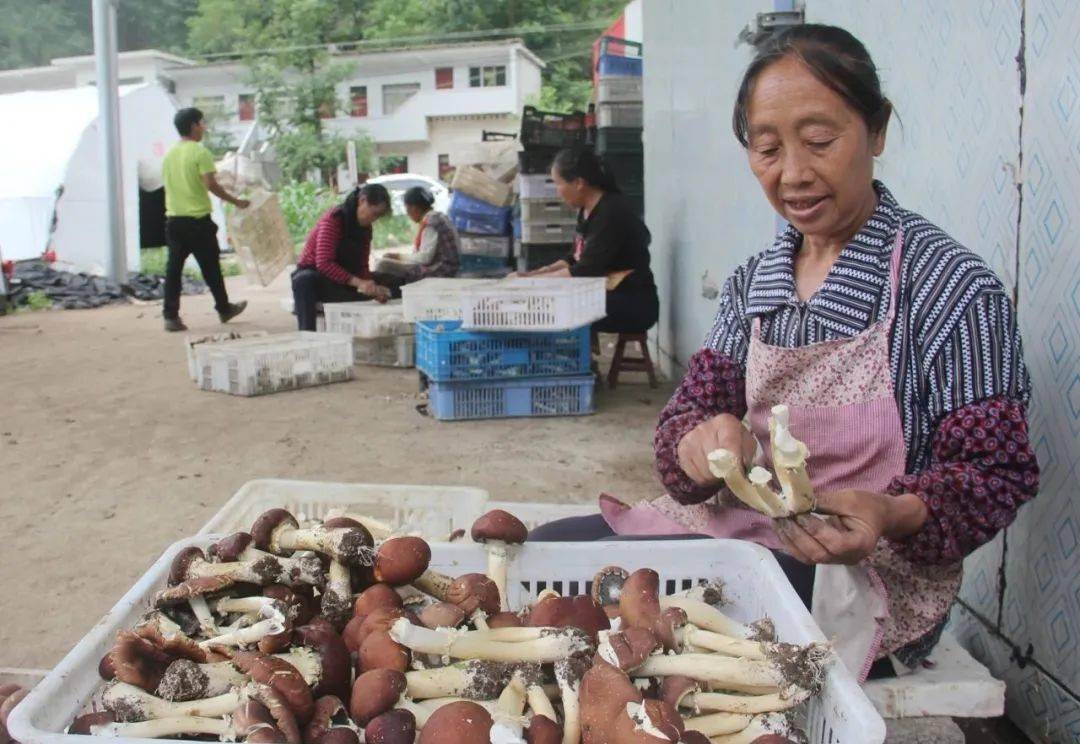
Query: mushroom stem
{"type": "Point", "coordinates": [267, 569]}
{"type": "Point", "coordinates": [508, 723]}
{"type": "Point", "coordinates": [724, 464]}
{"type": "Point", "coordinates": [245, 605]}
{"type": "Point", "coordinates": [718, 724]}
{"type": "Point", "coordinates": [789, 461]}
{"type": "Point", "coordinates": [474, 680]}
{"type": "Point", "coordinates": [705, 616]}
{"type": "Point", "coordinates": [693, 636]}
{"type": "Point", "coordinates": [131, 703]}
{"type": "Point", "coordinates": [553, 645]}
{"type": "Point", "coordinates": [336, 603]}
{"type": "Point", "coordinates": [202, 612]}
{"type": "Point", "coordinates": [162, 727]}
{"type": "Point", "coordinates": [539, 702]}
{"type": "Point", "coordinates": [498, 558]}
{"type": "Point", "coordinates": [759, 726]}
{"type": "Point", "coordinates": [479, 621]}
{"type": "Point", "coordinates": [251, 634]}
{"type": "Point", "coordinates": [379, 530]}
{"type": "Point", "coordinates": [569, 686]}
{"type": "Point", "coordinates": [731, 673]}
{"type": "Point", "coordinates": [184, 677]}
{"type": "Point", "coordinates": [747, 704]}
{"type": "Point", "coordinates": [434, 583]}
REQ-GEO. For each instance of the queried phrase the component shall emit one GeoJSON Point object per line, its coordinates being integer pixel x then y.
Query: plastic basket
{"type": "Point", "coordinates": [472, 215]}
{"type": "Point", "coordinates": [616, 65]}
{"type": "Point", "coordinates": [446, 353]}
{"type": "Point", "coordinates": [387, 351]}
{"type": "Point", "coordinates": [485, 245]}
{"type": "Point", "coordinates": [537, 186]}
{"type": "Point", "coordinates": [534, 513]}
{"type": "Point", "coordinates": [433, 511]}
{"type": "Point", "coordinates": [530, 397]}
{"type": "Point", "coordinates": [275, 363]}
{"type": "Point", "coordinates": [532, 256]}
{"type": "Point", "coordinates": [619, 89]}
{"type": "Point", "coordinates": [497, 266]}
{"type": "Point", "coordinates": [366, 319]}
{"type": "Point", "coordinates": [619, 140]}
{"type": "Point", "coordinates": [192, 342]}
{"type": "Point", "coordinates": [547, 212]}
{"type": "Point", "coordinates": [550, 129]}
{"type": "Point", "coordinates": [619, 115]}
{"type": "Point", "coordinates": [755, 587]}
{"type": "Point", "coordinates": [628, 170]}
{"type": "Point", "coordinates": [536, 160]}
{"type": "Point", "coordinates": [260, 237]}
{"type": "Point", "coordinates": [436, 298]}
{"type": "Point", "coordinates": [534, 304]}
{"type": "Point", "coordinates": [547, 233]}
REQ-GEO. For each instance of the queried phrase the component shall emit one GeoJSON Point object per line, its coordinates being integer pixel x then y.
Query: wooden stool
{"type": "Point", "coordinates": [623, 363]}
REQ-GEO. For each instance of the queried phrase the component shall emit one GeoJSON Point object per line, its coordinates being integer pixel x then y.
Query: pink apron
{"type": "Point", "coordinates": [842, 405]}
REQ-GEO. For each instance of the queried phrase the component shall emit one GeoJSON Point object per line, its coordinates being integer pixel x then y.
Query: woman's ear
{"type": "Point", "coordinates": [877, 139]}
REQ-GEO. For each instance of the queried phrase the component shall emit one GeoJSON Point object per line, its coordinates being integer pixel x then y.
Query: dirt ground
{"type": "Point", "coordinates": [109, 453]}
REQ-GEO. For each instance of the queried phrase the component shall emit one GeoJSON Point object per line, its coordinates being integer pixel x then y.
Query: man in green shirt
{"type": "Point", "coordinates": [188, 174]}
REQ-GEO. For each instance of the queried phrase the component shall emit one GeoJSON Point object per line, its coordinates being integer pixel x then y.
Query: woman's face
{"type": "Point", "coordinates": [811, 152]}
{"type": "Point", "coordinates": [367, 214]}
{"type": "Point", "coordinates": [571, 192]}
{"type": "Point", "coordinates": [415, 212]}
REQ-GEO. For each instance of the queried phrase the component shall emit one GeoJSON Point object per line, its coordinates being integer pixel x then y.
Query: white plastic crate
{"type": "Point", "coordinates": [386, 351]}
{"type": "Point", "coordinates": [434, 511]}
{"type": "Point", "coordinates": [537, 186]}
{"type": "Point", "coordinates": [755, 587]}
{"type": "Point", "coordinates": [532, 232]}
{"type": "Point", "coordinates": [260, 237]}
{"type": "Point", "coordinates": [534, 304]}
{"type": "Point", "coordinates": [288, 304]}
{"type": "Point", "coordinates": [619, 89]}
{"type": "Point", "coordinates": [275, 363]}
{"type": "Point", "coordinates": [535, 513]}
{"type": "Point", "coordinates": [619, 115]}
{"type": "Point", "coordinates": [192, 342]}
{"type": "Point", "coordinates": [366, 319]}
{"type": "Point", "coordinates": [547, 212]}
{"type": "Point", "coordinates": [496, 246]}
{"type": "Point", "coordinates": [436, 298]}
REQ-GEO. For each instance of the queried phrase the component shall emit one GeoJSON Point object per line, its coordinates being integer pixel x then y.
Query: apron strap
{"type": "Point", "coordinates": [895, 260]}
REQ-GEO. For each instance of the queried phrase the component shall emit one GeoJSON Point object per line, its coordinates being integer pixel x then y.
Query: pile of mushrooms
{"type": "Point", "coordinates": [324, 634]}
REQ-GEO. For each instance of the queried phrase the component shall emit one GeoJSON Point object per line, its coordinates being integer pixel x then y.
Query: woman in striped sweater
{"type": "Point", "coordinates": [895, 348]}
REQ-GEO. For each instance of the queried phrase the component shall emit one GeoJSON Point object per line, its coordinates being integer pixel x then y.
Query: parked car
{"type": "Point", "coordinates": [398, 183]}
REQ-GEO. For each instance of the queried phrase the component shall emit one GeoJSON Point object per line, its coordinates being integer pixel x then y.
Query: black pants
{"type": "Point", "coordinates": [192, 236]}
{"type": "Point", "coordinates": [630, 311]}
{"type": "Point", "coordinates": [309, 288]}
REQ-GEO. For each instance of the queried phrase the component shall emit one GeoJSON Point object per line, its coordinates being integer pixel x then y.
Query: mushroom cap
{"type": "Point", "coordinates": [607, 585]}
{"type": "Point", "coordinates": [662, 716]}
{"type": "Point", "coordinates": [639, 605]}
{"type": "Point", "coordinates": [333, 656]}
{"type": "Point", "coordinates": [326, 709]}
{"type": "Point", "coordinates": [251, 715]}
{"type": "Point", "coordinates": [674, 689]}
{"type": "Point", "coordinates": [392, 727]}
{"type": "Point", "coordinates": [505, 620]}
{"type": "Point", "coordinates": [500, 526]}
{"type": "Point", "coordinates": [374, 693]}
{"type": "Point", "coordinates": [282, 712]}
{"type": "Point", "coordinates": [9, 704]}
{"type": "Point", "coordinates": [694, 737]}
{"type": "Point", "coordinates": [340, 735]}
{"type": "Point", "coordinates": [442, 615]}
{"type": "Point", "coordinates": [605, 691]}
{"type": "Point", "coordinates": [612, 611]}
{"type": "Point", "coordinates": [380, 651]}
{"type": "Point", "coordinates": [771, 739]}
{"type": "Point", "coordinates": [580, 612]}
{"type": "Point", "coordinates": [267, 523]}
{"type": "Point", "coordinates": [472, 592]}
{"type": "Point", "coordinates": [401, 560]}
{"type": "Point", "coordinates": [229, 549]}
{"type": "Point", "coordinates": [338, 522]}
{"type": "Point", "coordinates": [178, 570]}
{"type": "Point", "coordinates": [300, 602]}
{"type": "Point", "coordinates": [81, 725]}
{"type": "Point", "coordinates": [137, 661]}
{"type": "Point", "coordinates": [456, 535]}
{"type": "Point", "coordinates": [283, 678]}
{"type": "Point", "coordinates": [457, 723]}
{"type": "Point", "coordinates": [632, 647]}
{"type": "Point", "coordinates": [269, 734]}
{"type": "Point", "coordinates": [357, 630]}
{"type": "Point", "coordinates": [543, 730]}
{"type": "Point", "coordinates": [197, 587]}
{"type": "Point", "coordinates": [375, 597]}
{"type": "Point", "coordinates": [106, 670]}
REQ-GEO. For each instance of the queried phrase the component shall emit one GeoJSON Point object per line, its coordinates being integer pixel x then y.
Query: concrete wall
{"type": "Point", "coordinates": [959, 158]}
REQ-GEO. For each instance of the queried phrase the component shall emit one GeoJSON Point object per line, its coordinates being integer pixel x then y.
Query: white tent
{"type": "Point", "coordinates": [52, 182]}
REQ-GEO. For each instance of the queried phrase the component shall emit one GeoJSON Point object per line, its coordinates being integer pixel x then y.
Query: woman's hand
{"type": "Point", "coordinates": [376, 291]}
{"type": "Point", "coordinates": [853, 523]}
{"type": "Point", "coordinates": [720, 432]}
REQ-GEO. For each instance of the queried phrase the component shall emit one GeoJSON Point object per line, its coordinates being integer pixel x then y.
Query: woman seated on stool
{"type": "Point", "coordinates": [334, 264]}
{"type": "Point", "coordinates": [611, 241]}
{"type": "Point", "coordinates": [437, 248]}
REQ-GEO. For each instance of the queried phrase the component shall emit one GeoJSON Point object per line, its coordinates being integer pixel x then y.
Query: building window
{"type": "Point", "coordinates": [211, 106]}
{"type": "Point", "coordinates": [488, 76]}
{"type": "Point", "coordinates": [395, 96]}
{"type": "Point", "coordinates": [394, 164]}
{"type": "Point", "coordinates": [446, 171]}
{"type": "Point", "coordinates": [444, 78]}
{"type": "Point", "coordinates": [247, 107]}
{"type": "Point", "coordinates": [358, 97]}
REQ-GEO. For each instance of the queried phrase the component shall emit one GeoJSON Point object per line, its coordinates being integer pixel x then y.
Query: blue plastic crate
{"type": "Point", "coordinates": [535, 396]}
{"type": "Point", "coordinates": [472, 264]}
{"type": "Point", "coordinates": [617, 65]}
{"type": "Point", "coordinates": [475, 216]}
{"type": "Point", "coordinates": [445, 353]}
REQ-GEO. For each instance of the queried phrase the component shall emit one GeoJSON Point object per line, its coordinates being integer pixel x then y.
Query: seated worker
{"type": "Point", "coordinates": [611, 241]}
{"type": "Point", "coordinates": [437, 248]}
{"type": "Point", "coordinates": [334, 264]}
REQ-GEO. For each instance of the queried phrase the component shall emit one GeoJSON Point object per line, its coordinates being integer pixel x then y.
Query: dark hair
{"type": "Point", "coordinates": [374, 194]}
{"type": "Point", "coordinates": [419, 196]}
{"type": "Point", "coordinates": [582, 162]}
{"type": "Point", "coordinates": [185, 119]}
{"type": "Point", "coordinates": [835, 57]}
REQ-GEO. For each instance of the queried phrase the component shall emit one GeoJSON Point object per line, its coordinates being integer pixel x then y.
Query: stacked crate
{"type": "Point", "coordinates": [619, 115]}
{"type": "Point", "coordinates": [381, 335]}
{"type": "Point", "coordinates": [544, 228]}
{"type": "Point", "coordinates": [519, 347]}
{"type": "Point", "coordinates": [480, 209]}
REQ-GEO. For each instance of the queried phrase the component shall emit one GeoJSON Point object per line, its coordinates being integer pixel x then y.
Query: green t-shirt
{"type": "Point", "coordinates": [182, 170]}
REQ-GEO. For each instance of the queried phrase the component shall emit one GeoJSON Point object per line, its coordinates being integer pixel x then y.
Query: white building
{"type": "Point", "coordinates": [423, 106]}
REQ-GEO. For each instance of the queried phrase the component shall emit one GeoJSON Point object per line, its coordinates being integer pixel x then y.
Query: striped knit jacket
{"type": "Point", "coordinates": [957, 363]}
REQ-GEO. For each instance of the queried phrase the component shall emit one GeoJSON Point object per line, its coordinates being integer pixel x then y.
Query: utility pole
{"type": "Point", "coordinates": [105, 59]}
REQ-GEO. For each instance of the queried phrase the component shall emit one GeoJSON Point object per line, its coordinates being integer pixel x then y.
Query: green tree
{"type": "Point", "coordinates": [32, 33]}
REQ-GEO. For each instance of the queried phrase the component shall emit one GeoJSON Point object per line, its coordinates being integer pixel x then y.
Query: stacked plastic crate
{"type": "Point", "coordinates": [518, 347]}
{"type": "Point", "coordinates": [619, 115]}
{"type": "Point", "coordinates": [480, 209]}
{"type": "Point", "coordinates": [381, 335]}
{"type": "Point", "coordinates": [544, 230]}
